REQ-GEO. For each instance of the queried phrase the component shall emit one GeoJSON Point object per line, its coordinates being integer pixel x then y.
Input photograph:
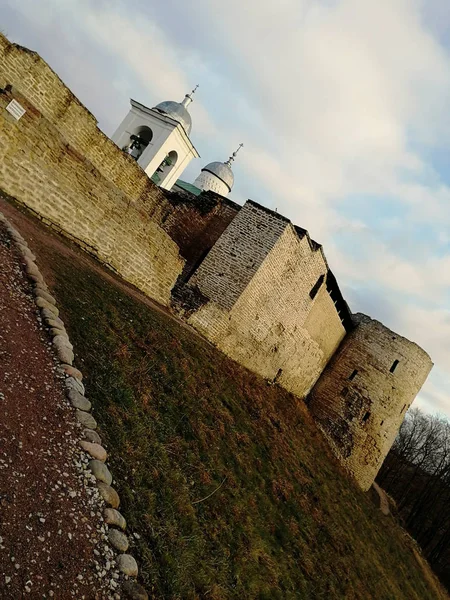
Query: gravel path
{"type": "Point", "coordinates": [52, 535]}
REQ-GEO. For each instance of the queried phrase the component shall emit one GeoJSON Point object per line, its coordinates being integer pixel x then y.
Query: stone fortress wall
{"type": "Point", "coordinates": [57, 162]}
{"type": "Point", "coordinates": [250, 281]}
{"type": "Point", "coordinates": [195, 223]}
{"type": "Point", "coordinates": [258, 279]}
{"type": "Point", "coordinates": [363, 394]}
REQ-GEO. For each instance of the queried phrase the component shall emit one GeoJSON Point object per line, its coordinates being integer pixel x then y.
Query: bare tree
{"type": "Point", "coordinates": [417, 474]}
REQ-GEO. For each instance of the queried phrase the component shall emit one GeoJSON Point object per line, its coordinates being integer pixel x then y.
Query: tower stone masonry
{"type": "Point", "coordinates": [361, 398]}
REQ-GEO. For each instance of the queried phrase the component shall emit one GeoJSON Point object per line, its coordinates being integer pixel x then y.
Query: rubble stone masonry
{"type": "Point", "coordinates": [196, 222]}
{"type": "Point", "coordinates": [238, 254]}
{"type": "Point", "coordinates": [362, 396]}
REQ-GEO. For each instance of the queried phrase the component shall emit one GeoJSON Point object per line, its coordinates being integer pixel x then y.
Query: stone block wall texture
{"type": "Point", "coordinates": [238, 254]}
{"type": "Point", "coordinates": [56, 161]}
{"type": "Point", "coordinates": [26, 71]}
{"type": "Point", "coordinates": [195, 223]}
{"type": "Point", "coordinates": [359, 403]}
{"type": "Point", "coordinates": [260, 311]}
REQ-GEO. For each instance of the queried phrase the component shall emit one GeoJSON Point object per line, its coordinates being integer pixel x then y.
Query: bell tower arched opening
{"type": "Point", "coordinates": [158, 139]}
{"type": "Point", "coordinates": [165, 168]}
{"type": "Point", "coordinates": [138, 142]}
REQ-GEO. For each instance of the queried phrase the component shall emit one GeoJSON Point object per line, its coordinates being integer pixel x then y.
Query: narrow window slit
{"type": "Point", "coordinates": [394, 365]}
{"type": "Point", "coordinates": [353, 375]}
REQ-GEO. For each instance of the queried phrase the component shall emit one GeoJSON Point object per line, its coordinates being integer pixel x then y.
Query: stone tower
{"type": "Point", "coordinates": [158, 138]}
{"type": "Point", "coordinates": [361, 398]}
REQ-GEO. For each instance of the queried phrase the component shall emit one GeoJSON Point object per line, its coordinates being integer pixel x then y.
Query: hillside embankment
{"type": "Point", "coordinates": [225, 481]}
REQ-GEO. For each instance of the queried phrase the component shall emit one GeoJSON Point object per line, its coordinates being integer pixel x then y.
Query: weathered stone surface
{"type": "Point", "coordinates": [72, 372]}
{"type": "Point", "coordinates": [51, 320]}
{"type": "Point", "coordinates": [64, 354]}
{"type": "Point", "coordinates": [17, 238]}
{"type": "Point", "coordinates": [54, 331]}
{"type": "Point", "coordinates": [109, 494]}
{"type": "Point", "coordinates": [41, 293]}
{"type": "Point", "coordinates": [72, 383]}
{"type": "Point", "coordinates": [264, 317]}
{"type": "Point", "coordinates": [95, 450]}
{"type": "Point", "coordinates": [26, 251]}
{"type": "Point", "coordinates": [91, 436]}
{"type": "Point", "coordinates": [361, 397]}
{"type": "Point", "coordinates": [114, 517]}
{"type": "Point", "coordinates": [61, 191]}
{"type": "Point", "coordinates": [86, 419]}
{"type": "Point", "coordinates": [41, 286]}
{"type": "Point", "coordinates": [37, 278]}
{"type": "Point", "coordinates": [62, 341]}
{"type": "Point", "coordinates": [78, 400]}
{"type": "Point", "coordinates": [47, 314]}
{"type": "Point", "coordinates": [100, 471]}
{"type": "Point", "coordinates": [30, 267]}
{"type": "Point", "coordinates": [14, 233]}
{"type": "Point", "coordinates": [259, 276]}
{"type": "Point", "coordinates": [118, 540]}
{"type": "Point", "coordinates": [42, 303]}
{"type": "Point", "coordinates": [134, 591]}
{"type": "Point", "coordinates": [127, 565]}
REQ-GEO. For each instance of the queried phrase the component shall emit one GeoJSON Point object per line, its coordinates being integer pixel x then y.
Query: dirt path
{"type": "Point", "coordinates": [50, 519]}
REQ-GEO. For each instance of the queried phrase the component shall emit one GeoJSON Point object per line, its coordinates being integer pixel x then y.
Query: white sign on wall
{"type": "Point", "coordinates": [16, 109]}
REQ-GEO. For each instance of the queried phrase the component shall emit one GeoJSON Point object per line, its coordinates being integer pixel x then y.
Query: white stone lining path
{"type": "Point", "coordinates": [91, 442]}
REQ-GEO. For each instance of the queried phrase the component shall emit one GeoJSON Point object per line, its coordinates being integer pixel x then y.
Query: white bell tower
{"type": "Point", "coordinates": [158, 139]}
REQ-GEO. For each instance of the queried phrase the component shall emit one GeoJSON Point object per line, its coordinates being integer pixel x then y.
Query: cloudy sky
{"type": "Point", "coordinates": [343, 107]}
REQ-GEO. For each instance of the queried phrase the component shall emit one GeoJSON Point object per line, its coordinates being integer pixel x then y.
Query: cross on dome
{"type": "Point", "coordinates": [188, 98]}
{"type": "Point", "coordinates": [233, 156]}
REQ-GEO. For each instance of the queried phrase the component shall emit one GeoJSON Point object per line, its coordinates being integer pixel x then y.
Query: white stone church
{"type": "Point", "coordinates": [158, 139]}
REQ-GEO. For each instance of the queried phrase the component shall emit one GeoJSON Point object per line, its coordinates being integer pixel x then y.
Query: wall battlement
{"type": "Point", "coordinates": [250, 281]}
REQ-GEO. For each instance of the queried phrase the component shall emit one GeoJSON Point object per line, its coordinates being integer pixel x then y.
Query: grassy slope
{"type": "Point", "coordinates": [178, 419]}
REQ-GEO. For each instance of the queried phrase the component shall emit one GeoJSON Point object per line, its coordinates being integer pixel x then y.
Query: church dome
{"type": "Point", "coordinates": [222, 171]}
{"type": "Point", "coordinates": [217, 176]}
{"type": "Point", "coordinates": [177, 112]}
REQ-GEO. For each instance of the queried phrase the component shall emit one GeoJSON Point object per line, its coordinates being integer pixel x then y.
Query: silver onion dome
{"type": "Point", "coordinates": [222, 171]}
{"type": "Point", "coordinates": [177, 112]}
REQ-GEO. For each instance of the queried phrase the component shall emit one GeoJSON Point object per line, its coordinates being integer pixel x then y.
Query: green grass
{"type": "Point", "coordinates": [179, 419]}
